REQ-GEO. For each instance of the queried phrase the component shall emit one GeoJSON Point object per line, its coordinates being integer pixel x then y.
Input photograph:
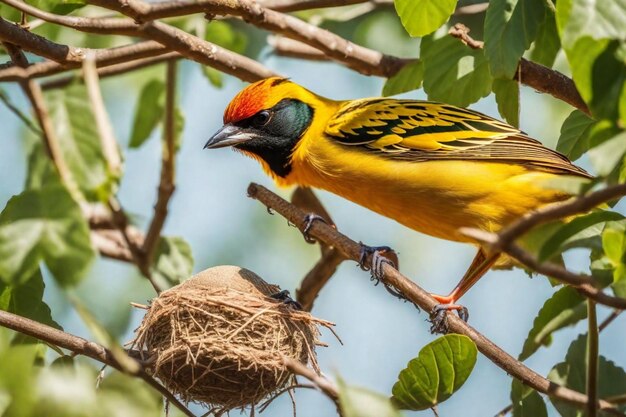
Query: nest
{"type": "Point", "coordinates": [218, 338]}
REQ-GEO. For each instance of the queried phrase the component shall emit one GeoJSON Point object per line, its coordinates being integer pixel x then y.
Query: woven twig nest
{"type": "Point", "coordinates": [218, 338]}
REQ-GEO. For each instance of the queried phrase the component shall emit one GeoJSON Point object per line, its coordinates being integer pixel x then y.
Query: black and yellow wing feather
{"type": "Point", "coordinates": [421, 131]}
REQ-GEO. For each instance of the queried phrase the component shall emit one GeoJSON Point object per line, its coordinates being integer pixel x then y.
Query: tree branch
{"type": "Point", "coordinates": [323, 384]}
{"type": "Point", "coordinates": [105, 130]}
{"type": "Point", "coordinates": [368, 61]}
{"type": "Point", "coordinates": [103, 57]}
{"type": "Point", "coordinates": [543, 79]}
{"type": "Point", "coordinates": [421, 298]}
{"type": "Point", "coordinates": [83, 347]}
{"type": "Point", "coordinates": [131, 65]}
{"type": "Point", "coordinates": [585, 284]}
{"type": "Point", "coordinates": [305, 199]}
{"type": "Point", "coordinates": [168, 159]}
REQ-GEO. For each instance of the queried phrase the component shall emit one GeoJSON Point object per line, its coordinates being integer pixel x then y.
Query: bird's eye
{"type": "Point", "coordinates": [261, 118]}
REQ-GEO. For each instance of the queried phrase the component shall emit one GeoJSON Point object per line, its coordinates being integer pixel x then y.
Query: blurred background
{"type": "Point", "coordinates": [211, 212]}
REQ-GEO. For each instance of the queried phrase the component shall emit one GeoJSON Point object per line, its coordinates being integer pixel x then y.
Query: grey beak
{"type": "Point", "coordinates": [228, 135]}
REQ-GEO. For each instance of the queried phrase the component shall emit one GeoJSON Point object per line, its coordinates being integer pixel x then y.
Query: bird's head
{"type": "Point", "coordinates": [266, 120]}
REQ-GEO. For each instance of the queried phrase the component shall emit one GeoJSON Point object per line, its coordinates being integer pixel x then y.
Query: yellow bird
{"type": "Point", "coordinates": [433, 167]}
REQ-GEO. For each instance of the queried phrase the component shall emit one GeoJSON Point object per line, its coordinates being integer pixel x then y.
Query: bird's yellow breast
{"type": "Point", "coordinates": [432, 197]}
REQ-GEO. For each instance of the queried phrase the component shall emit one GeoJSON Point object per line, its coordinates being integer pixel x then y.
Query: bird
{"type": "Point", "coordinates": [433, 167]}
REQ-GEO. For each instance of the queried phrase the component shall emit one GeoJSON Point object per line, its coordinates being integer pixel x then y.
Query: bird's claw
{"type": "Point", "coordinates": [309, 219]}
{"type": "Point", "coordinates": [286, 299]}
{"type": "Point", "coordinates": [439, 318]}
{"type": "Point", "coordinates": [376, 269]}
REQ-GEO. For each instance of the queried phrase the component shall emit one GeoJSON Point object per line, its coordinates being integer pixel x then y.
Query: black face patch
{"type": "Point", "coordinates": [278, 131]}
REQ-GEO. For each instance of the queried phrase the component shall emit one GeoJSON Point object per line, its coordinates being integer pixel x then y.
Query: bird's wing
{"type": "Point", "coordinates": [420, 131]}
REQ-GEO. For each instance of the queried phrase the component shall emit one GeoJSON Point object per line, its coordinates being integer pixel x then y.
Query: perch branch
{"type": "Point", "coordinates": [83, 347]}
{"type": "Point", "coordinates": [421, 298]}
{"type": "Point", "coordinates": [168, 159]}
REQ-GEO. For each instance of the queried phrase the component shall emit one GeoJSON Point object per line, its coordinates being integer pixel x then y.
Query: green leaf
{"type": "Point", "coordinates": [421, 17]}
{"type": "Point", "coordinates": [577, 233]}
{"type": "Point", "coordinates": [454, 73]}
{"type": "Point", "coordinates": [44, 225]}
{"type": "Point", "coordinates": [361, 402]}
{"type": "Point", "coordinates": [440, 369]}
{"type": "Point", "coordinates": [597, 19]}
{"type": "Point", "coordinates": [547, 44]}
{"type": "Point", "coordinates": [565, 307]}
{"type": "Point", "coordinates": [574, 140]}
{"type": "Point", "coordinates": [510, 27]}
{"type": "Point", "coordinates": [572, 374]}
{"type": "Point", "coordinates": [608, 155]}
{"type": "Point", "coordinates": [76, 130]}
{"type": "Point", "coordinates": [223, 34]}
{"type": "Point", "coordinates": [17, 370]}
{"type": "Point", "coordinates": [507, 97]}
{"type": "Point", "coordinates": [599, 74]}
{"type": "Point", "coordinates": [148, 112]}
{"type": "Point", "coordinates": [173, 261]}
{"type": "Point", "coordinates": [614, 242]}
{"type": "Point", "coordinates": [526, 401]}
{"type": "Point", "coordinates": [26, 300]}
{"type": "Point", "coordinates": [409, 78]}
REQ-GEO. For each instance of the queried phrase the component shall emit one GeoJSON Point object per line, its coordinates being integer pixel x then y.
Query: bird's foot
{"type": "Point", "coordinates": [286, 299]}
{"type": "Point", "coordinates": [309, 219]}
{"type": "Point", "coordinates": [439, 317]}
{"type": "Point", "coordinates": [380, 255]}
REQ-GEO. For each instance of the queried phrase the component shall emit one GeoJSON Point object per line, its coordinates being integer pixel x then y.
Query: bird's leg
{"type": "Point", "coordinates": [380, 255]}
{"type": "Point", "coordinates": [480, 265]}
{"type": "Point", "coordinates": [286, 299]}
{"type": "Point", "coordinates": [309, 219]}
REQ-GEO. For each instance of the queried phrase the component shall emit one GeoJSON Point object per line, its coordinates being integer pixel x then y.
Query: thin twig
{"type": "Point", "coordinates": [506, 410]}
{"type": "Point", "coordinates": [605, 323]}
{"type": "Point", "coordinates": [592, 360]}
{"type": "Point", "coordinates": [20, 115]}
{"type": "Point", "coordinates": [125, 67]}
{"type": "Point", "coordinates": [320, 382]}
{"type": "Point", "coordinates": [421, 298]}
{"type": "Point", "coordinates": [121, 222]}
{"type": "Point", "coordinates": [168, 159]}
{"type": "Point", "coordinates": [108, 142]}
{"type": "Point", "coordinates": [81, 346]}
{"type": "Point", "coordinates": [104, 57]}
